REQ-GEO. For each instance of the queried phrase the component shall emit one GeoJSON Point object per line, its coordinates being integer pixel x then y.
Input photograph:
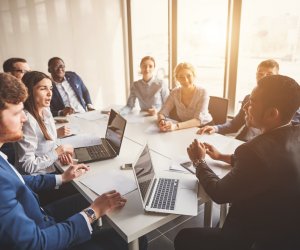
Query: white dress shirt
{"type": "Point", "coordinates": [34, 154]}
{"type": "Point", "coordinates": [198, 107]}
{"type": "Point", "coordinates": [68, 96]}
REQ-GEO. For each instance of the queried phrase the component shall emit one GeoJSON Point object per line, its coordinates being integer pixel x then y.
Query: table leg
{"type": "Point", "coordinates": [133, 245]}
{"type": "Point", "coordinates": [208, 213]}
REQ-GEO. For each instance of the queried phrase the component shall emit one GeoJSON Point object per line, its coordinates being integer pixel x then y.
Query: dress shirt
{"type": "Point", "coordinates": [69, 96]}
{"type": "Point", "coordinates": [151, 94]}
{"type": "Point", "coordinates": [35, 154]}
{"type": "Point", "coordinates": [197, 109]}
{"type": "Point", "coordinates": [296, 118]}
{"type": "Point", "coordinates": [58, 177]}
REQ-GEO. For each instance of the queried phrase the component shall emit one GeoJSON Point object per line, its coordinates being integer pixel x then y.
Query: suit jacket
{"type": "Point", "coordinates": [264, 189]}
{"type": "Point", "coordinates": [23, 224]}
{"type": "Point", "coordinates": [79, 88]}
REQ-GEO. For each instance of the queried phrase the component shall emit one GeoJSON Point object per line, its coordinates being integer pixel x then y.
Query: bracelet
{"type": "Point", "coordinates": [199, 162]}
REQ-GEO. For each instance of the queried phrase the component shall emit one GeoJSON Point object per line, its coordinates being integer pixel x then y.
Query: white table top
{"type": "Point", "coordinates": [131, 221]}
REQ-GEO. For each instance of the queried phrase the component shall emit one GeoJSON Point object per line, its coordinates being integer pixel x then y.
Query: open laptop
{"type": "Point", "coordinates": [164, 195]}
{"type": "Point", "coordinates": [110, 145]}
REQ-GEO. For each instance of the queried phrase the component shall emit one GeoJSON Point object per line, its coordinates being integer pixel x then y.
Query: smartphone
{"type": "Point", "coordinates": [126, 166]}
{"type": "Point", "coordinates": [61, 120]}
{"type": "Point", "coordinates": [105, 112]}
{"type": "Point", "coordinates": [188, 165]}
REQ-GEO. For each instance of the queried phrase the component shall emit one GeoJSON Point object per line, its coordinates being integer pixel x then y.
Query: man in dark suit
{"type": "Point", "coordinates": [263, 185]}
{"type": "Point", "coordinates": [265, 68]}
{"type": "Point", "coordinates": [65, 224]}
{"type": "Point", "coordinates": [69, 95]}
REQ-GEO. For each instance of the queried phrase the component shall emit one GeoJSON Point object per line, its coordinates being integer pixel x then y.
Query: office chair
{"type": "Point", "coordinates": [218, 108]}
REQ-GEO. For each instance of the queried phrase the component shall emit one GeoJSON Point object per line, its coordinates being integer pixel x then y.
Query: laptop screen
{"type": "Point", "coordinates": [115, 130]}
{"type": "Point", "coordinates": [144, 172]}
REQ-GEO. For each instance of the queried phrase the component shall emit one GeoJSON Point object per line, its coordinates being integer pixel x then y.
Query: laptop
{"type": "Point", "coordinates": [110, 145]}
{"type": "Point", "coordinates": [161, 194]}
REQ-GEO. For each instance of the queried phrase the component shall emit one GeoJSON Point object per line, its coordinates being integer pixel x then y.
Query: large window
{"type": "Point", "coordinates": [149, 21]}
{"type": "Point", "coordinates": [202, 40]}
{"type": "Point", "coordinates": [269, 29]}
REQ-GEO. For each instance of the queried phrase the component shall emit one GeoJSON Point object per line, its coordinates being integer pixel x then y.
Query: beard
{"type": "Point", "coordinates": [7, 136]}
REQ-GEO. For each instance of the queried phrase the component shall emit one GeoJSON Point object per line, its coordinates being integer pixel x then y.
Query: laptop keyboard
{"type": "Point", "coordinates": [165, 194]}
{"type": "Point", "coordinates": [98, 151]}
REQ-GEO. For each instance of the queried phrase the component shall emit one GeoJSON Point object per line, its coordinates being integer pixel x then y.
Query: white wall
{"type": "Point", "coordinates": [86, 34]}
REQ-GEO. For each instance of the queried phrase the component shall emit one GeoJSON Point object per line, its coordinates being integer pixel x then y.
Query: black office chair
{"type": "Point", "coordinates": [218, 108]}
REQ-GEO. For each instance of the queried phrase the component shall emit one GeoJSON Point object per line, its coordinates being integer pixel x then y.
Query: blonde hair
{"type": "Point", "coordinates": [184, 65]}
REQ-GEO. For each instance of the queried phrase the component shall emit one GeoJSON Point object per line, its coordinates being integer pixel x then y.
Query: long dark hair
{"type": "Point", "coordinates": [31, 79]}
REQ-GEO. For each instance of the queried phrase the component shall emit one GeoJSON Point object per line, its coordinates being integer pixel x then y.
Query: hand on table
{"type": "Point", "coordinates": [206, 129]}
{"type": "Point", "coordinates": [68, 111]}
{"type": "Point", "coordinates": [107, 202]}
{"type": "Point", "coordinates": [165, 126]}
{"type": "Point", "coordinates": [63, 131]}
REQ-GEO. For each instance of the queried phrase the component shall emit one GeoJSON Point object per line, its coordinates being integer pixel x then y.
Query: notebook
{"type": "Point", "coordinates": [162, 194]}
{"type": "Point", "coordinates": [110, 145]}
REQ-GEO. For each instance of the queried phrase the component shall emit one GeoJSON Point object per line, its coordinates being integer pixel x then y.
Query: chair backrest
{"type": "Point", "coordinates": [218, 108]}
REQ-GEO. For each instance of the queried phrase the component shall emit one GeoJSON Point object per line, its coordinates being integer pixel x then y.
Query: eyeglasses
{"type": "Point", "coordinates": [22, 71]}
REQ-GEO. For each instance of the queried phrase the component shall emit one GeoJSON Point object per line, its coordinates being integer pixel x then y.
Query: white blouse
{"type": "Point", "coordinates": [34, 154]}
{"type": "Point", "coordinates": [197, 109]}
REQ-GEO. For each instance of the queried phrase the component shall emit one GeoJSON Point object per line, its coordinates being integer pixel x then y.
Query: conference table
{"type": "Point", "coordinates": [166, 149]}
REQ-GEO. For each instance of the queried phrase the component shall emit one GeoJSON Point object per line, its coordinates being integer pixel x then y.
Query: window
{"type": "Point", "coordinates": [149, 21]}
{"type": "Point", "coordinates": [269, 29]}
{"type": "Point", "coordinates": [202, 40]}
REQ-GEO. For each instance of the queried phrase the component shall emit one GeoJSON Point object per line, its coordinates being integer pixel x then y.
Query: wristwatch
{"type": "Point", "coordinates": [199, 162]}
{"type": "Point", "coordinates": [90, 213]}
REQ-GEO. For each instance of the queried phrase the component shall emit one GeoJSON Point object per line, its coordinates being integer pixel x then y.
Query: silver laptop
{"type": "Point", "coordinates": [110, 145]}
{"type": "Point", "coordinates": [164, 195]}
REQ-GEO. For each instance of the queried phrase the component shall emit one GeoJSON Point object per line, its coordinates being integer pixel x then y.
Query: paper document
{"type": "Point", "coordinates": [121, 181]}
{"type": "Point", "coordinates": [91, 115]}
{"type": "Point", "coordinates": [178, 168]}
{"type": "Point", "coordinates": [219, 167]}
{"type": "Point", "coordinates": [75, 129]}
{"type": "Point", "coordinates": [176, 164]}
{"type": "Point", "coordinates": [81, 140]}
